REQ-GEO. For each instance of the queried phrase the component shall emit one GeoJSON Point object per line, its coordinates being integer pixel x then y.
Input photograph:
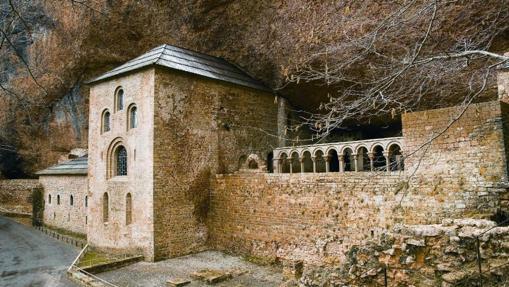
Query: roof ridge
{"type": "Point", "coordinates": [160, 54]}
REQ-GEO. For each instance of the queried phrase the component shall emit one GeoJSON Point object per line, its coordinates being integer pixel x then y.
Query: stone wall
{"type": "Point", "coordinates": [466, 157]}
{"type": "Point", "coordinates": [201, 127]}
{"type": "Point", "coordinates": [16, 195]}
{"type": "Point", "coordinates": [310, 217]}
{"type": "Point", "coordinates": [317, 218]}
{"type": "Point", "coordinates": [115, 234]}
{"type": "Point", "coordinates": [58, 211]}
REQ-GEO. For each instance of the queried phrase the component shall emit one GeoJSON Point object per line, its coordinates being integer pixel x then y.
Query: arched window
{"type": "Point", "coordinates": [120, 161]}
{"type": "Point", "coordinates": [395, 158]}
{"type": "Point", "coordinates": [295, 162]}
{"type": "Point", "coordinates": [71, 201]}
{"type": "Point", "coordinates": [86, 201]}
{"type": "Point", "coordinates": [333, 158]}
{"type": "Point", "coordinates": [58, 199]}
{"type": "Point", "coordinates": [379, 162]}
{"type": "Point", "coordinates": [284, 163]}
{"type": "Point", "coordinates": [348, 164]}
{"type": "Point", "coordinates": [106, 207]}
{"type": "Point", "coordinates": [363, 159]}
{"type": "Point", "coordinates": [105, 121]}
{"type": "Point", "coordinates": [49, 198]}
{"type": "Point", "coordinates": [119, 99]}
{"type": "Point", "coordinates": [252, 164]}
{"type": "Point", "coordinates": [128, 209]}
{"type": "Point", "coordinates": [308, 162]}
{"type": "Point", "coordinates": [132, 119]}
{"type": "Point", "coordinates": [319, 161]}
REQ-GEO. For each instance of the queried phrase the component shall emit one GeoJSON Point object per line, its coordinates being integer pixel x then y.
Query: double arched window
{"type": "Point", "coordinates": [105, 121]}
{"type": "Point", "coordinates": [119, 99]}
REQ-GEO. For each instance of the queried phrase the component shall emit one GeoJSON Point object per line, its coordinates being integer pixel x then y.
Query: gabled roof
{"type": "Point", "coordinates": [77, 166]}
{"type": "Point", "coordinates": [188, 61]}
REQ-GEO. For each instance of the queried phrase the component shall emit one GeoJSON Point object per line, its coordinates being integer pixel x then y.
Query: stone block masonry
{"type": "Point", "coordinates": [318, 218]}
{"type": "Point", "coordinates": [16, 195]}
{"type": "Point", "coordinates": [468, 156]}
{"type": "Point", "coordinates": [201, 127]}
{"type": "Point", "coordinates": [310, 217]}
{"type": "Point", "coordinates": [65, 202]}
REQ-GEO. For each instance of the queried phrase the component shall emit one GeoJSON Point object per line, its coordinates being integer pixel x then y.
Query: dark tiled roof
{"type": "Point", "coordinates": [188, 61]}
{"type": "Point", "coordinates": [77, 166]}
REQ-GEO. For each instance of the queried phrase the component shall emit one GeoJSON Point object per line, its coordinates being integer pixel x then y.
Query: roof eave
{"type": "Point", "coordinates": [260, 87]}
{"type": "Point", "coordinates": [63, 172]}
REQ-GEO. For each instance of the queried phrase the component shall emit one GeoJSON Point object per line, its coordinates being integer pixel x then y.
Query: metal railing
{"type": "Point", "coordinates": [74, 267]}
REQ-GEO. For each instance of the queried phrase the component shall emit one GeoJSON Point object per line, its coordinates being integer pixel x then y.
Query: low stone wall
{"type": "Point", "coordinates": [318, 218]}
{"type": "Point", "coordinates": [16, 195]}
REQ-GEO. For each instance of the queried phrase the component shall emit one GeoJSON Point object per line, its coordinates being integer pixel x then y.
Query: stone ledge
{"type": "Point", "coordinates": [103, 267]}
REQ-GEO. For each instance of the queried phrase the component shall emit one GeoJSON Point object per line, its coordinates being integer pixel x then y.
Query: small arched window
{"type": "Point", "coordinates": [86, 200]}
{"type": "Point", "coordinates": [119, 99]}
{"type": "Point", "coordinates": [49, 198]}
{"type": "Point", "coordinates": [58, 199]}
{"type": "Point", "coordinates": [252, 164]}
{"type": "Point", "coordinates": [120, 161]}
{"type": "Point", "coordinates": [106, 204]}
{"type": "Point", "coordinates": [105, 121]}
{"type": "Point", "coordinates": [132, 117]}
{"type": "Point", "coordinates": [71, 201]}
{"type": "Point", "coordinates": [128, 209]}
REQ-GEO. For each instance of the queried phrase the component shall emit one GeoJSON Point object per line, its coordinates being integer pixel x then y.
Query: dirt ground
{"type": "Point", "coordinates": [148, 274]}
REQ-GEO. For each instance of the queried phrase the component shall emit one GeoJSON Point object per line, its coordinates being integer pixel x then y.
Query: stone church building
{"type": "Point", "coordinates": [187, 153]}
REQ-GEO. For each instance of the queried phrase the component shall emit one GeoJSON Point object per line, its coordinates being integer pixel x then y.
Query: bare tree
{"type": "Point", "coordinates": [414, 58]}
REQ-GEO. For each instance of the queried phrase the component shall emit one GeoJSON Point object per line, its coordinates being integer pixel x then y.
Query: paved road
{"type": "Point", "coordinates": [30, 258]}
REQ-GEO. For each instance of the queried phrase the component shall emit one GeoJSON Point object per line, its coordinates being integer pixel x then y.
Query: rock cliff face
{"type": "Point", "coordinates": [43, 111]}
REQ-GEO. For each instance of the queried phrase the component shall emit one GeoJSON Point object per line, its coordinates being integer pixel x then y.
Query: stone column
{"type": "Point", "coordinates": [291, 165]}
{"type": "Point", "coordinates": [327, 163]}
{"type": "Point", "coordinates": [341, 163]}
{"type": "Point", "coordinates": [387, 162]}
{"type": "Point", "coordinates": [301, 165]}
{"type": "Point", "coordinates": [314, 163]}
{"type": "Point", "coordinates": [355, 163]}
{"type": "Point", "coordinates": [371, 161]}
{"type": "Point", "coordinates": [275, 165]}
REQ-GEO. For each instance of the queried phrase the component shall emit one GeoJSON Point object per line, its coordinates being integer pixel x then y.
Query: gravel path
{"type": "Point", "coordinates": [30, 258]}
